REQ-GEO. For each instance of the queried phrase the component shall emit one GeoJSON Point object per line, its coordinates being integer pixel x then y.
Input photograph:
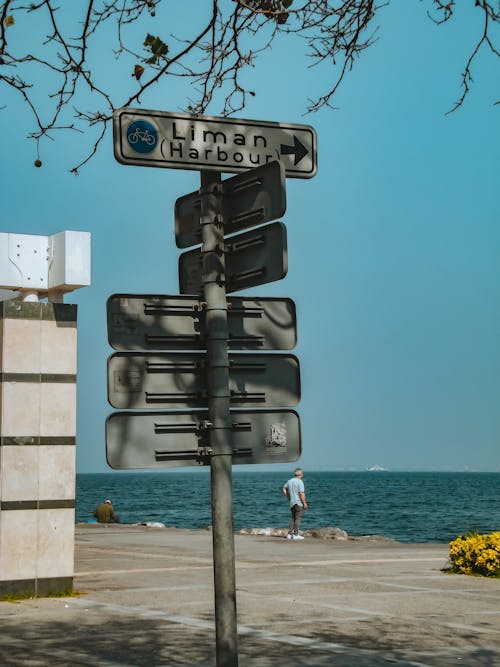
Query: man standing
{"type": "Point", "coordinates": [295, 492]}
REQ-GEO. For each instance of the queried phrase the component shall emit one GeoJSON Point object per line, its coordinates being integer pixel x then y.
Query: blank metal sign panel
{"type": "Point", "coordinates": [136, 440]}
{"type": "Point", "coordinates": [163, 322]}
{"type": "Point", "coordinates": [253, 258]}
{"type": "Point", "coordinates": [178, 379]}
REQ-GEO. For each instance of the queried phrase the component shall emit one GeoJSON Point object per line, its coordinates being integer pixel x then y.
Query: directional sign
{"type": "Point", "coordinates": [252, 258]}
{"type": "Point", "coordinates": [160, 322]}
{"type": "Point", "coordinates": [178, 379]}
{"type": "Point", "coordinates": [248, 199]}
{"type": "Point", "coordinates": [180, 438]}
{"type": "Point", "coordinates": [181, 141]}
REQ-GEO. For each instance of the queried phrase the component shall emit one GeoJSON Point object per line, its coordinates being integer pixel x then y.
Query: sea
{"type": "Point", "coordinates": [416, 507]}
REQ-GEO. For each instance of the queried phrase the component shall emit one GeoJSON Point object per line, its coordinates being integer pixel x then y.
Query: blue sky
{"type": "Point", "coordinates": [394, 246]}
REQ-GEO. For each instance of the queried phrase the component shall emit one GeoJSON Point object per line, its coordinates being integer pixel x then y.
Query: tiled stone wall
{"type": "Point", "coordinates": [37, 447]}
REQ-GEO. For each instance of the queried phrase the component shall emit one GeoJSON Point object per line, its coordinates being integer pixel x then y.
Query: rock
{"type": "Point", "coordinates": [327, 533]}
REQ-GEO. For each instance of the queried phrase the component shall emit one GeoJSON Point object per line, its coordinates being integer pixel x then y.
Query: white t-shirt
{"type": "Point", "coordinates": [295, 486]}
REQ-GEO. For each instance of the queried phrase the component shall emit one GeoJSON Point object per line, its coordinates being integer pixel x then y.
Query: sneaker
{"type": "Point", "coordinates": [298, 537]}
{"type": "Point", "coordinates": [289, 536]}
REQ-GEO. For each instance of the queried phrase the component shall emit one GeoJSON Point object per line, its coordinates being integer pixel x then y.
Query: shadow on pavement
{"type": "Point", "coordinates": [121, 641]}
{"type": "Point", "coordinates": [116, 641]}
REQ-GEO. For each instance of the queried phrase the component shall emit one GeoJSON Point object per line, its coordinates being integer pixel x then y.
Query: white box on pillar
{"type": "Point", "coordinates": [44, 266]}
{"type": "Point", "coordinates": [69, 267]}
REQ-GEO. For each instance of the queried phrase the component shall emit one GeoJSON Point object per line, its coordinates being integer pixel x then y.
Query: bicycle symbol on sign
{"type": "Point", "coordinates": [142, 136]}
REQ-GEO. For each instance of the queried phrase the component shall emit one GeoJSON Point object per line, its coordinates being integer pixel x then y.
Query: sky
{"type": "Point", "coordinates": [393, 247]}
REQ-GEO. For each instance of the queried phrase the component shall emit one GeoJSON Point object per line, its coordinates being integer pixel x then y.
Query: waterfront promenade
{"type": "Point", "coordinates": [146, 599]}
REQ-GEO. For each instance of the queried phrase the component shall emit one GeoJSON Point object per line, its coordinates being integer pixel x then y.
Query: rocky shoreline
{"type": "Point", "coordinates": [326, 533]}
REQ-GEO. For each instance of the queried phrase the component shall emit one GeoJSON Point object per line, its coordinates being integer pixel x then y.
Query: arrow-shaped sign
{"type": "Point", "coordinates": [298, 149]}
{"type": "Point", "coordinates": [181, 141]}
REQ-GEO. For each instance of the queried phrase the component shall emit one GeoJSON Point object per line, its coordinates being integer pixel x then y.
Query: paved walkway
{"type": "Point", "coordinates": [146, 599]}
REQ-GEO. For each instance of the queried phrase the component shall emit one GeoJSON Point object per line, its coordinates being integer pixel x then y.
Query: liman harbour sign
{"type": "Point", "coordinates": [181, 141]}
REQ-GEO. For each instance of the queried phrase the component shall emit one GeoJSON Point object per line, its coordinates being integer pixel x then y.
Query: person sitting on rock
{"type": "Point", "coordinates": [105, 514]}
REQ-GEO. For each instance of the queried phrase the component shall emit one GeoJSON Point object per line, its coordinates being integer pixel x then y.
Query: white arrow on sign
{"type": "Point", "coordinates": [180, 141]}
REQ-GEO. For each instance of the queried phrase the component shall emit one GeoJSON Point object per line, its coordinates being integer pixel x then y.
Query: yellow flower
{"type": "Point", "coordinates": [476, 554]}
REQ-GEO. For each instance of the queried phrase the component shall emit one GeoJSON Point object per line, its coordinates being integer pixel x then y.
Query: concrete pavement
{"type": "Point", "coordinates": [146, 599]}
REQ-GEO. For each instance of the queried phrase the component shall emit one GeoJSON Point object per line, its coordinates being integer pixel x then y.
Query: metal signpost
{"type": "Point", "coordinates": [141, 376]}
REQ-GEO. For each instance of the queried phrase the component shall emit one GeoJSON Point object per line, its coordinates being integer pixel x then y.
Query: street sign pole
{"type": "Point", "coordinates": [262, 154]}
{"type": "Point", "coordinates": [220, 419]}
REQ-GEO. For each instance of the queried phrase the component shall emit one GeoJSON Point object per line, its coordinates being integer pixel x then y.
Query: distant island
{"type": "Point", "coordinates": [376, 468]}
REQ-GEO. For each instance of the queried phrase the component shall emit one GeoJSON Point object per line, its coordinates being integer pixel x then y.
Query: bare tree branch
{"type": "Point", "coordinates": [234, 34]}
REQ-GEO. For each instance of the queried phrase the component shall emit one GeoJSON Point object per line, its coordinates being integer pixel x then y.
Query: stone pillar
{"type": "Point", "coordinates": [37, 447]}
